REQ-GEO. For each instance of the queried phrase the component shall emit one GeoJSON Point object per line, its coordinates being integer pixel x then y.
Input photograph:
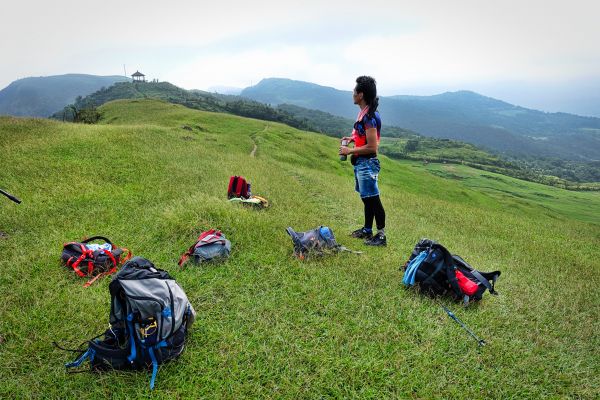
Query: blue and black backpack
{"type": "Point", "coordinates": [432, 269]}
{"type": "Point", "coordinates": [149, 319]}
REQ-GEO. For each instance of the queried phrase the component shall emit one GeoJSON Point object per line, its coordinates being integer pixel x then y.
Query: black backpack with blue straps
{"type": "Point", "coordinates": [149, 319]}
{"type": "Point", "coordinates": [435, 271]}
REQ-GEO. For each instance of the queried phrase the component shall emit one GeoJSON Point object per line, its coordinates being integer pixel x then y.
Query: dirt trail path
{"type": "Point", "coordinates": [253, 137]}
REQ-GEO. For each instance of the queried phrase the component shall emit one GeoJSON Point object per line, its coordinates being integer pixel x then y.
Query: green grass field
{"type": "Point", "coordinates": [151, 176]}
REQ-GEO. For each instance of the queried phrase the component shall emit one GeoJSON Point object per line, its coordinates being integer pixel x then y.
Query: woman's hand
{"type": "Point", "coordinates": [348, 138]}
{"type": "Point", "coordinates": [344, 150]}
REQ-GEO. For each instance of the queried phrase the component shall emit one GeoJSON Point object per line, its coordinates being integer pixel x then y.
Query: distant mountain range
{"type": "Point", "coordinates": [462, 115]}
{"type": "Point", "coordinates": [225, 90]}
{"type": "Point", "coordinates": [42, 96]}
{"type": "Point", "coordinates": [533, 143]}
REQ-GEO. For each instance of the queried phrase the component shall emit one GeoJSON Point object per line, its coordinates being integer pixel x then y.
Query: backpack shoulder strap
{"type": "Point", "coordinates": [485, 280]}
{"type": "Point", "coordinates": [186, 255]}
{"type": "Point", "coordinates": [86, 255]}
{"type": "Point", "coordinates": [232, 184]}
{"type": "Point", "coordinates": [450, 267]}
{"type": "Point", "coordinates": [411, 268]}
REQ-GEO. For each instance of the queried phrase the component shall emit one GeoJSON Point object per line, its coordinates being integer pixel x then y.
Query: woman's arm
{"type": "Point", "coordinates": [370, 148]}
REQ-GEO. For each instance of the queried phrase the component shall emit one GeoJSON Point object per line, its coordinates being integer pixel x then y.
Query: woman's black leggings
{"type": "Point", "coordinates": [374, 209]}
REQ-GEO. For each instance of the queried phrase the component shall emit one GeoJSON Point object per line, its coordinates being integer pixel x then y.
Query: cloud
{"type": "Point", "coordinates": [401, 43]}
{"type": "Point", "coordinates": [241, 69]}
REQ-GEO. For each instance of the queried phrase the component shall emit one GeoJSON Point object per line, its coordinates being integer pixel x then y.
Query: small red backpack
{"type": "Point", "coordinates": [238, 187]}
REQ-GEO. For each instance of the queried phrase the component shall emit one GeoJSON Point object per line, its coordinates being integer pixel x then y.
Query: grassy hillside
{"type": "Point", "coordinates": [545, 171]}
{"type": "Point", "coordinates": [84, 110]}
{"type": "Point", "coordinates": [153, 175]}
{"type": "Point", "coordinates": [166, 91]}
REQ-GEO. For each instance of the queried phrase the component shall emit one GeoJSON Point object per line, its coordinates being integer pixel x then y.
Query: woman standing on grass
{"type": "Point", "coordinates": [365, 135]}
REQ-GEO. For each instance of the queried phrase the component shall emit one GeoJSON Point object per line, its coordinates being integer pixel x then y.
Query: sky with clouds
{"type": "Point", "coordinates": [524, 51]}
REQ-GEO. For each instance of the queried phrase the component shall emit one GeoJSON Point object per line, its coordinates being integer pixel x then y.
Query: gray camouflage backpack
{"type": "Point", "coordinates": [149, 318]}
{"type": "Point", "coordinates": [211, 245]}
{"type": "Point", "coordinates": [317, 241]}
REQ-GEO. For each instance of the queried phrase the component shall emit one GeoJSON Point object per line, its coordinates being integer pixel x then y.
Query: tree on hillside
{"type": "Point", "coordinates": [86, 115]}
{"type": "Point", "coordinates": [411, 145]}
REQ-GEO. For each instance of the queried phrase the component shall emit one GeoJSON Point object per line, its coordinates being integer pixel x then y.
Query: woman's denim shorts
{"type": "Point", "coordinates": [366, 172]}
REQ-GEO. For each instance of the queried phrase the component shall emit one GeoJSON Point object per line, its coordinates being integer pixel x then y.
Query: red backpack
{"type": "Point", "coordinates": [238, 187]}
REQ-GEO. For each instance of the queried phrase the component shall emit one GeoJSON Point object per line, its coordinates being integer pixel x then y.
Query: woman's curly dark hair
{"type": "Point", "coordinates": [368, 87]}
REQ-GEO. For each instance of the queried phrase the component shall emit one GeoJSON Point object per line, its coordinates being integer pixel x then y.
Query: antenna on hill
{"type": "Point", "coordinates": [124, 71]}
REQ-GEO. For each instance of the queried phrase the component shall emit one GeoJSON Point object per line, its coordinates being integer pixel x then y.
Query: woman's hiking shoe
{"type": "Point", "coordinates": [377, 240]}
{"type": "Point", "coordinates": [362, 233]}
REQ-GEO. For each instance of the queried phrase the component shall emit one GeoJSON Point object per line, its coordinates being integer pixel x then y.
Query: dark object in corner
{"type": "Point", "coordinates": [10, 196]}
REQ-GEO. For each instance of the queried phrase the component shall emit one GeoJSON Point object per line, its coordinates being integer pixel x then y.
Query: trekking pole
{"type": "Point", "coordinates": [10, 196]}
{"type": "Point", "coordinates": [481, 342]}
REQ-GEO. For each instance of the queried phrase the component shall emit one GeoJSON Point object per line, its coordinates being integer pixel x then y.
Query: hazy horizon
{"type": "Point", "coordinates": [535, 54]}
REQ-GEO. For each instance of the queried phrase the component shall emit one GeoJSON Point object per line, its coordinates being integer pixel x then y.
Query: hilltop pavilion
{"type": "Point", "coordinates": [138, 77]}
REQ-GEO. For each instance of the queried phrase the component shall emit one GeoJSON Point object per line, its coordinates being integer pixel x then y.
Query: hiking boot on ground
{"type": "Point", "coordinates": [362, 233]}
{"type": "Point", "coordinates": [377, 240]}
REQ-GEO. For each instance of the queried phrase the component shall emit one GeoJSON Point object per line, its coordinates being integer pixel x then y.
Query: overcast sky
{"type": "Point", "coordinates": [527, 52]}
